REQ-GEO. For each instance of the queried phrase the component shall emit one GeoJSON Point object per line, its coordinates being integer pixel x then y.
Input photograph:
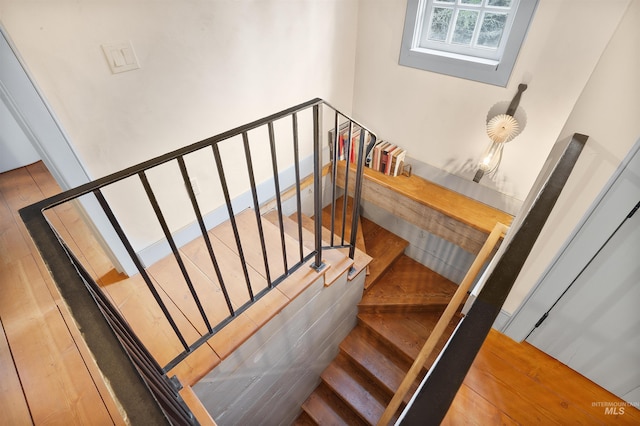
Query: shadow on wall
{"type": "Point", "coordinates": [466, 169]}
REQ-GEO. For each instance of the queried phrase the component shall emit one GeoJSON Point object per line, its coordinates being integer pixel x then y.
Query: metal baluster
{"type": "Point", "coordinates": [205, 234]}
{"type": "Point", "coordinates": [256, 206]}
{"type": "Point", "coordinates": [317, 196]}
{"type": "Point", "coordinates": [162, 387]}
{"type": "Point", "coordinates": [136, 261]}
{"type": "Point", "coordinates": [357, 193]}
{"type": "Point", "coordinates": [346, 183]}
{"type": "Point", "coordinates": [276, 182]}
{"type": "Point", "coordinates": [172, 244]}
{"type": "Point", "coordinates": [296, 153]}
{"type": "Point", "coordinates": [232, 219]}
{"type": "Point", "coordinates": [334, 173]}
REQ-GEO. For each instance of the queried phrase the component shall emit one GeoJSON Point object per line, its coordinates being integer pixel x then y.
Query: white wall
{"type": "Point", "coordinates": [440, 120]}
{"type": "Point", "coordinates": [607, 111]}
{"type": "Point", "coordinates": [206, 67]}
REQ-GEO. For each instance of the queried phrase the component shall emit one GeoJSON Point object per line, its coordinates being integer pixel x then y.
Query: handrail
{"type": "Point", "coordinates": [66, 264]}
{"type": "Point", "coordinates": [431, 402]}
{"type": "Point", "coordinates": [487, 248]}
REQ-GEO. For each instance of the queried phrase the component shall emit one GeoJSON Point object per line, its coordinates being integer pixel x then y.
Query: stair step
{"type": "Point", "coordinates": [343, 378]}
{"type": "Point", "coordinates": [383, 246]}
{"type": "Point", "coordinates": [304, 420]}
{"type": "Point", "coordinates": [379, 361]}
{"type": "Point", "coordinates": [339, 205]}
{"type": "Point", "coordinates": [407, 331]}
{"type": "Point", "coordinates": [323, 407]}
{"type": "Point", "coordinates": [408, 286]}
{"type": "Point", "coordinates": [361, 259]}
{"type": "Point", "coordinates": [337, 262]}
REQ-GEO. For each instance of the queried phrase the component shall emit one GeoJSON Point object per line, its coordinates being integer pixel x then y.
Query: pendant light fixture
{"type": "Point", "coordinates": [501, 129]}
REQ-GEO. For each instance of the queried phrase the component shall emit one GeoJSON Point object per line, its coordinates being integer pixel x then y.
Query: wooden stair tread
{"type": "Point", "coordinates": [248, 231]}
{"type": "Point", "coordinates": [408, 285]}
{"type": "Point", "coordinates": [383, 246]}
{"type": "Point", "coordinates": [360, 260]}
{"type": "Point", "coordinates": [336, 260]}
{"type": "Point", "coordinates": [205, 281]}
{"type": "Point", "coordinates": [339, 205]}
{"type": "Point", "coordinates": [407, 331]}
{"type": "Point", "coordinates": [341, 377]}
{"type": "Point", "coordinates": [304, 420]}
{"type": "Point", "coordinates": [378, 360]}
{"type": "Point", "coordinates": [324, 407]}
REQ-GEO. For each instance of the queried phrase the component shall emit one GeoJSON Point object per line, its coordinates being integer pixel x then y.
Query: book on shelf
{"type": "Point", "coordinates": [387, 158]}
{"type": "Point", "coordinates": [391, 164]}
{"type": "Point", "coordinates": [377, 149]}
{"type": "Point", "coordinates": [347, 148]}
{"type": "Point", "coordinates": [385, 161]}
{"type": "Point", "coordinates": [397, 162]}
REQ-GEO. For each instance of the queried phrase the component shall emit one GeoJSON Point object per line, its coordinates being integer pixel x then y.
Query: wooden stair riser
{"type": "Point", "coordinates": [377, 361]}
{"type": "Point", "coordinates": [404, 356]}
{"type": "Point", "coordinates": [384, 247]}
{"type": "Point", "coordinates": [324, 407]}
{"type": "Point", "coordinates": [400, 308]}
{"type": "Point", "coordinates": [353, 388]}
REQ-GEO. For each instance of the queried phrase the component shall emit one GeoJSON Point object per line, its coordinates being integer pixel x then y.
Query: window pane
{"type": "Point", "coordinates": [470, 1]}
{"type": "Point", "coordinates": [500, 3]}
{"type": "Point", "coordinates": [445, 1]}
{"type": "Point", "coordinates": [440, 19]}
{"type": "Point", "coordinates": [492, 29]}
{"type": "Point", "coordinates": [465, 25]}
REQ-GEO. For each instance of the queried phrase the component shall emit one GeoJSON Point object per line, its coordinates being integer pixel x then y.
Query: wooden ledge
{"type": "Point", "coordinates": [441, 211]}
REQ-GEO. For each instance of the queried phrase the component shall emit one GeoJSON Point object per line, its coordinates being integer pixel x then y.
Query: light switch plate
{"type": "Point", "coordinates": [120, 56]}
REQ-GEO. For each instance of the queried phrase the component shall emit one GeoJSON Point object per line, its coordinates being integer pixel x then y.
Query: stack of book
{"type": "Point", "coordinates": [348, 150]}
{"type": "Point", "coordinates": [387, 158]}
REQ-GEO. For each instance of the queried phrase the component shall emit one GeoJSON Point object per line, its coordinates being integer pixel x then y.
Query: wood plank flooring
{"type": "Point", "coordinates": [47, 375]}
{"type": "Point", "coordinates": [515, 383]}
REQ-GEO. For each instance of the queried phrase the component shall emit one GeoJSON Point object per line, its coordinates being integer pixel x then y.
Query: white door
{"type": "Point", "coordinates": [594, 328]}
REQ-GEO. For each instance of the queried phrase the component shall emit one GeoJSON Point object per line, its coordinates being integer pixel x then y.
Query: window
{"type": "Point", "coordinates": [474, 39]}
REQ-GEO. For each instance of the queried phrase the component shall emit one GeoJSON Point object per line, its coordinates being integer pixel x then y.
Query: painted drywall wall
{"type": "Point", "coordinates": [441, 120]}
{"type": "Point", "coordinates": [607, 111]}
{"type": "Point", "coordinates": [206, 67]}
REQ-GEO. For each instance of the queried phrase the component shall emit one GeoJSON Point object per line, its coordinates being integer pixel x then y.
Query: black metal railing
{"type": "Point", "coordinates": [261, 185]}
{"type": "Point", "coordinates": [439, 387]}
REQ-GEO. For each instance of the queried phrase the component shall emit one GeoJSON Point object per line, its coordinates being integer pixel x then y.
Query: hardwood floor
{"type": "Point", "coordinates": [47, 375]}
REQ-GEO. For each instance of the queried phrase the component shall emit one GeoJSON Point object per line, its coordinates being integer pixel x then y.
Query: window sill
{"type": "Point", "coordinates": [457, 56]}
{"type": "Point", "coordinates": [455, 65]}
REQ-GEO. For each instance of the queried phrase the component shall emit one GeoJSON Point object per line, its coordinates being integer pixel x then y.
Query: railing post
{"type": "Point", "coordinates": [317, 186]}
{"type": "Point", "coordinates": [357, 192]}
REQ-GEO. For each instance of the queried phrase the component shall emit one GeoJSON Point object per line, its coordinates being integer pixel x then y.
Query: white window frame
{"type": "Point", "coordinates": [471, 63]}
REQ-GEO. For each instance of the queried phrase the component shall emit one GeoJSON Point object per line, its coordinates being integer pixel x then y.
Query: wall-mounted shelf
{"type": "Point", "coordinates": [436, 209]}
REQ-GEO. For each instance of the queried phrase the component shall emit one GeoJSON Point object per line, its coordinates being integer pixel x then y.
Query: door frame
{"type": "Point", "coordinates": [36, 118]}
{"type": "Point", "coordinates": [607, 211]}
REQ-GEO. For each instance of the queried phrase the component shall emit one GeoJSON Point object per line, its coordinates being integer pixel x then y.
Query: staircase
{"type": "Point", "coordinates": [402, 302]}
